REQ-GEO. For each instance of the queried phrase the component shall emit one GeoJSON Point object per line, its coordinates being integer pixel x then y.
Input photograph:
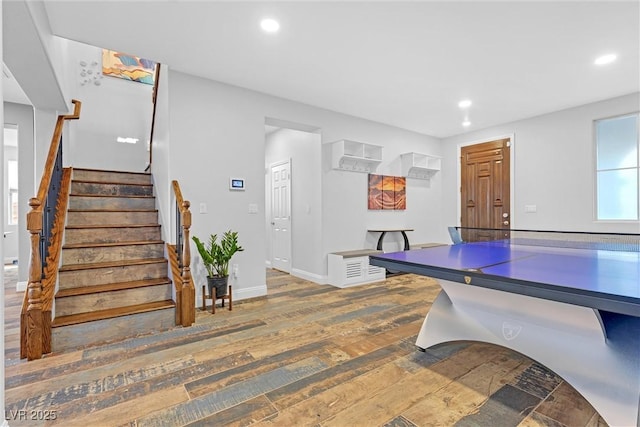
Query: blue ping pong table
{"type": "Point", "coordinates": [575, 310]}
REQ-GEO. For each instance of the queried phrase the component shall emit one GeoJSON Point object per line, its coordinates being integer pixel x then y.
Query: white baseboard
{"type": "Point", "coordinates": [349, 285]}
{"type": "Point", "coordinates": [267, 263]}
{"type": "Point", "coordinates": [312, 277]}
{"type": "Point", "coordinates": [246, 293]}
{"type": "Point", "coordinates": [21, 286]}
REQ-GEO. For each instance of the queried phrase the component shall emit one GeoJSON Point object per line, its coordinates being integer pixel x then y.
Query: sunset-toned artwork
{"type": "Point", "coordinates": [400, 192]}
{"type": "Point", "coordinates": [375, 192]}
{"type": "Point", "coordinates": [128, 67]}
{"type": "Point", "coordinates": [386, 192]}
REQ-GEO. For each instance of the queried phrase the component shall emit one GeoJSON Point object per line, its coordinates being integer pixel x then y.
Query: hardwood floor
{"type": "Point", "coordinates": [305, 355]}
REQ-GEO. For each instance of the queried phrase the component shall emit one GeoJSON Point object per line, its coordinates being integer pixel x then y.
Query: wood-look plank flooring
{"type": "Point", "coordinates": [306, 355]}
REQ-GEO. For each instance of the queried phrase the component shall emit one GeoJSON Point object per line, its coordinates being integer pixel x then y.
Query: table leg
{"type": "Point", "coordinates": [213, 301]}
{"type": "Point", "coordinates": [406, 241]}
{"type": "Point", "coordinates": [204, 300]}
{"type": "Point", "coordinates": [379, 247]}
{"type": "Point", "coordinates": [596, 353]}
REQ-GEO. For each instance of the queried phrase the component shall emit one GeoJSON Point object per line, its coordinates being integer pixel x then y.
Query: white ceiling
{"type": "Point", "coordinates": [402, 63]}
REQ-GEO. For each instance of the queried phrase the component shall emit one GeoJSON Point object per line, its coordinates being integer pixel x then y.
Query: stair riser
{"type": "Point", "coordinates": [110, 330]}
{"type": "Point", "coordinates": [113, 299]}
{"type": "Point", "coordinates": [103, 276]}
{"type": "Point", "coordinates": [105, 176]}
{"type": "Point", "coordinates": [108, 189]}
{"type": "Point", "coordinates": [106, 254]}
{"type": "Point", "coordinates": [111, 235]}
{"type": "Point", "coordinates": [92, 218]}
{"type": "Point", "coordinates": [111, 203]}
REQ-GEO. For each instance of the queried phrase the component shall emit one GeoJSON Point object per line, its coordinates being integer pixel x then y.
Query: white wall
{"type": "Point", "coordinates": [553, 168]}
{"type": "Point", "coordinates": [217, 131]}
{"type": "Point", "coordinates": [4, 423]}
{"type": "Point", "coordinates": [116, 107]}
{"type": "Point", "coordinates": [26, 30]}
{"type": "Point", "coordinates": [160, 160]}
{"type": "Point", "coordinates": [22, 116]}
{"type": "Point", "coordinates": [304, 150]}
{"type": "Point", "coordinates": [345, 193]}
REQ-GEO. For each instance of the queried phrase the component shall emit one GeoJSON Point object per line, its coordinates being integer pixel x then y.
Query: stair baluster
{"type": "Point", "coordinates": [39, 223]}
{"type": "Point", "coordinates": [186, 292]}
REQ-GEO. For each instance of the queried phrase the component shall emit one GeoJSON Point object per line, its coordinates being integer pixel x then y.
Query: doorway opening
{"type": "Point", "coordinates": [10, 194]}
{"type": "Point", "coordinates": [292, 197]}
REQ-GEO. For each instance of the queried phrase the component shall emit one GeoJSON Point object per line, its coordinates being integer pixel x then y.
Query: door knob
{"type": "Point", "coordinates": [505, 222]}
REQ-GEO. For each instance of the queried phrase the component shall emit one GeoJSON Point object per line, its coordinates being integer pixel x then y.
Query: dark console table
{"type": "Point", "coordinates": [384, 231]}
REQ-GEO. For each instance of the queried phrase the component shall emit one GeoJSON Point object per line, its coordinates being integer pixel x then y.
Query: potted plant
{"type": "Point", "coordinates": [215, 257]}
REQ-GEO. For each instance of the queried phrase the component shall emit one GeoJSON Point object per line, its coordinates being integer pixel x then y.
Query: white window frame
{"type": "Point", "coordinates": [637, 168]}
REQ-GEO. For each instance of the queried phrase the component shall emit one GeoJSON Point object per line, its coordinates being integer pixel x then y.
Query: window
{"type": "Point", "coordinates": [617, 168]}
{"type": "Point", "coordinates": [12, 184]}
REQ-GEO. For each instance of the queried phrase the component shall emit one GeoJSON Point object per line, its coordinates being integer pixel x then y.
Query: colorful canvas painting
{"type": "Point", "coordinates": [375, 192]}
{"type": "Point", "coordinates": [128, 67]}
{"type": "Point", "coordinates": [386, 192]}
{"type": "Point", "coordinates": [400, 192]}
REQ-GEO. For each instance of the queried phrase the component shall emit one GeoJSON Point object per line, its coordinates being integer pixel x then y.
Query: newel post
{"type": "Point", "coordinates": [34, 288]}
{"type": "Point", "coordinates": [188, 301]}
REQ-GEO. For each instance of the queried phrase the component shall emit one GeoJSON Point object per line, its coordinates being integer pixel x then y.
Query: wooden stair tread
{"type": "Point", "coordinates": [86, 290]}
{"type": "Point", "coordinates": [111, 196]}
{"type": "Point", "coordinates": [75, 319]}
{"type": "Point", "coordinates": [76, 267]}
{"type": "Point", "coordinates": [103, 182]}
{"type": "Point", "coordinates": [112, 244]}
{"type": "Point", "coordinates": [111, 171]}
{"type": "Point", "coordinates": [112, 210]}
{"type": "Point", "coordinates": [80, 226]}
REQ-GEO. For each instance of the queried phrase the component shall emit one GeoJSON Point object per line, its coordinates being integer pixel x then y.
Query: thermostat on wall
{"type": "Point", "coordinates": [236, 184]}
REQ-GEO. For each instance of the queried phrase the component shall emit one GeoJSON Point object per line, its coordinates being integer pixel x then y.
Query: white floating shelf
{"type": "Point", "coordinates": [421, 166]}
{"type": "Point", "coordinates": [355, 156]}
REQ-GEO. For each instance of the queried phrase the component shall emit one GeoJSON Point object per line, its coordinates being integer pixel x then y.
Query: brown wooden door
{"type": "Point", "coordinates": [485, 189]}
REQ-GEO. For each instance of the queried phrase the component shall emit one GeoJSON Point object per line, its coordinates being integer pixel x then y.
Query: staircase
{"type": "Point", "coordinates": [113, 280]}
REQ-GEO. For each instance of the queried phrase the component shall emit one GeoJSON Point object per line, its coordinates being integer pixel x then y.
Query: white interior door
{"type": "Point", "coordinates": [281, 215]}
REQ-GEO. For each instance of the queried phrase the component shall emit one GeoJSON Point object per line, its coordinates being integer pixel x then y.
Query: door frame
{"type": "Point", "coordinates": [511, 138]}
{"type": "Point", "coordinates": [270, 220]}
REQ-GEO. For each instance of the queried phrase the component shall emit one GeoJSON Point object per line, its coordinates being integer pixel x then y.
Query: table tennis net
{"type": "Point", "coordinates": [561, 239]}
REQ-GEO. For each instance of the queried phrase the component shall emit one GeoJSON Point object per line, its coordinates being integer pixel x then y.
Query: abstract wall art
{"type": "Point", "coordinates": [128, 67]}
{"type": "Point", "coordinates": [387, 192]}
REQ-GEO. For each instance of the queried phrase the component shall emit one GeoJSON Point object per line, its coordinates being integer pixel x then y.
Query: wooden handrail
{"type": "Point", "coordinates": [154, 99]}
{"type": "Point", "coordinates": [33, 335]}
{"type": "Point", "coordinates": [187, 291]}
{"type": "Point", "coordinates": [53, 149]}
{"type": "Point", "coordinates": [178, 193]}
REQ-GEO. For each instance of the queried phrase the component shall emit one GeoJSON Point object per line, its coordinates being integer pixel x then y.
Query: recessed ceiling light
{"type": "Point", "coordinates": [605, 59]}
{"type": "Point", "coordinates": [465, 103]}
{"type": "Point", "coordinates": [466, 123]}
{"type": "Point", "coordinates": [270, 25]}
